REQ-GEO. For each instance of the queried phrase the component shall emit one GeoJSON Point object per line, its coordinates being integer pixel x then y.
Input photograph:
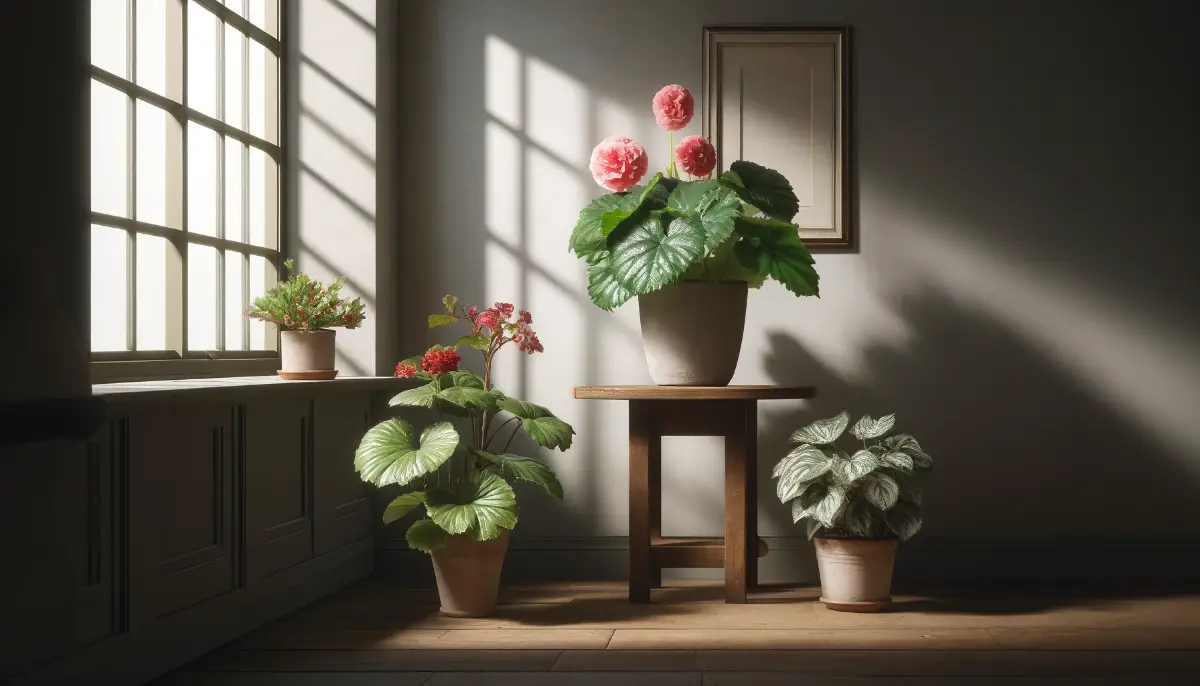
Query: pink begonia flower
{"type": "Point", "coordinates": [696, 155]}
{"type": "Point", "coordinates": [673, 107]}
{"type": "Point", "coordinates": [618, 163]}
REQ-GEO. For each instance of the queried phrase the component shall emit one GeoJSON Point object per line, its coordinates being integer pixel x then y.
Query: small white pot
{"type": "Point", "coordinates": [856, 575]}
{"type": "Point", "coordinates": [306, 351]}
{"type": "Point", "coordinates": [692, 332]}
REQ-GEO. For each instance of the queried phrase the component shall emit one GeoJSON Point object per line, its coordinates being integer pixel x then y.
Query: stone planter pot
{"type": "Point", "coordinates": [856, 575]}
{"type": "Point", "coordinates": [692, 332]}
{"type": "Point", "coordinates": [307, 355]}
{"type": "Point", "coordinates": [468, 574]}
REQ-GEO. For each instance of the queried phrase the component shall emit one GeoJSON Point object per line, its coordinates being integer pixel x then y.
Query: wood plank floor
{"type": "Point", "coordinates": [378, 632]}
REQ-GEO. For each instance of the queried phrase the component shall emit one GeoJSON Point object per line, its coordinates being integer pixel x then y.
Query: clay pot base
{"type": "Point", "coordinates": [318, 375]}
{"type": "Point", "coordinates": [866, 606]}
{"type": "Point", "coordinates": [463, 614]}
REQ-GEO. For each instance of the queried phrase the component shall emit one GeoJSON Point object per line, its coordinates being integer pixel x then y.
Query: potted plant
{"type": "Point", "coordinates": [306, 312]}
{"type": "Point", "coordinates": [468, 502]}
{"type": "Point", "coordinates": [688, 250]}
{"type": "Point", "coordinates": [855, 506]}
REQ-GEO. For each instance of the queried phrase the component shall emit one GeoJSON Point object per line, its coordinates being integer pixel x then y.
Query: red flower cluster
{"type": "Point", "coordinates": [405, 370]}
{"type": "Point", "coordinates": [438, 362]}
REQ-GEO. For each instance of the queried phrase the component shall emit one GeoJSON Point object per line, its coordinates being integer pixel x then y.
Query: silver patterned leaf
{"type": "Point", "coordinates": [802, 465]}
{"type": "Point", "coordinates": [796, 490]}
{"type": "Point", "coordinates": [859, 519]}
{"type": "Point", "coordinates": [898, 459]}
{"type": "Point", "coordinates": [823, 431]}
{"type": "Point", "coordinates": [799, 511]}
{"type": "Point", "coordinates": [859, 465]}
{"type": "Point", "coordinates": [812, 527]}
{"type": "Point", "coordinates": [904, 520]}
{"type": "Point", "coordinates": [881, 490]}
{"type": "Point", "coordinates": [830, 508]}
{"type": "Point", "coordinates": [873, 428]}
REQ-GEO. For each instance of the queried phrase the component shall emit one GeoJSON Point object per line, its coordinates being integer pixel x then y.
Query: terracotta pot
{"type": "Point", "coordinates": [468, 574]}
{"type": "Point", "coordinates": [307, 354]}
{"type": "Point", "coordinates": [692, 332]}
{"type": "Point", "coordinates": [856, 575]}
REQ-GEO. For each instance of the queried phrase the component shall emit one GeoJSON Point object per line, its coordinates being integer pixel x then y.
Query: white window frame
{"type": "Point", "coordinates": [178, 361]}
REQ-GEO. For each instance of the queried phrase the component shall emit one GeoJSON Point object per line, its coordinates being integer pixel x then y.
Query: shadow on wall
{"type": "Point", "coordinates": [1010, 432]}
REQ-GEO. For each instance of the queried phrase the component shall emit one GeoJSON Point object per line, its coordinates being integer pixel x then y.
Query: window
{"type": "Point", "coordinates": [185, 176]}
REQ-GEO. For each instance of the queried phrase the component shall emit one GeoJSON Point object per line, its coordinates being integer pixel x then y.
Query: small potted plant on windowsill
{"type": "Point", "coordinates": [306, 312]}
{"type": "Point", "coordinates": [469, 503]}
{"type": "Point", "coordinates": [856, 506]}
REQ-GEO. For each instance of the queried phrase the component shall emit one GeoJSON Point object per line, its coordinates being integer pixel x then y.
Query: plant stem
{"type": "Point", "coordinates": [510, 438]}
{"type": "Point", "coordinates": [671, 170]}
{"type": "Point", "coordinates": [488, 441]}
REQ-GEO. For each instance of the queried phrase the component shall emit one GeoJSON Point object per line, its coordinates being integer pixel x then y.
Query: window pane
{"type": "Point", "coordinates": [202, 297]}
{"type": "Point", "coordinates": [264, 199]}
{"type": "Point", "coordinates": [238, 6]}
{"type": "Point", "coordinates": [159, 47]}
{"type": "Point", "coordinates": [202, 39]}
{"type": "Point", "coordinates": [110, 150]}
{"type": "Point", "coordinates": [235, 307]}
{"type": "Point", "coordinates": [264, 93]}
{"type": "Point", "coordinates": [110, 252]}
{"type": "Point", "coordinates": [202, 185]}
{"type": "Point", "coordinates": [154, 254]}
{"type": "Point", "coordinates": [235, 67]}
{"type": "Point", "coordinates": [159, 199]}
{"type": "Point", "coordinates": [265, 15]}
{"type": "Point", "coordinates": [110, 21]}
{"type": "Point", "coordinates": [234, 159]}
{"type": "Point", "coordinates": [262, 276]}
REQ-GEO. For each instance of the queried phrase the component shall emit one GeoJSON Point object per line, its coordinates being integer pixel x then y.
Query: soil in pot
{"type": "Point", "coordinates": [468, 574]}
{"type": "Point", "coordinates": [856, 574]}
{"type": "Point", "coordinates": [692, 332]}
{"type": "Point", "coordinates": [307, 355]}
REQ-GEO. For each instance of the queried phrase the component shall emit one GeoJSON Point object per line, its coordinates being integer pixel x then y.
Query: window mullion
{"type": "Point", "coordinates": [131, 310]}
{"type": "Point", "coordinates": [245, 189]}
{"type": "Point", "coordinates": [219, 310]}
{"type": "Point", "coordinates": [183, 250]}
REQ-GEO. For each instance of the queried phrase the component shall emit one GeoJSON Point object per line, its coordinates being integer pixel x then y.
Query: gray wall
{"type": "Point", "coordinates": [1023, 297]}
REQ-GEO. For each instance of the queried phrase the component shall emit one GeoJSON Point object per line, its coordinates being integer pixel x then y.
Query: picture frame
{"type": "Point", "coordinates": [806, 136]}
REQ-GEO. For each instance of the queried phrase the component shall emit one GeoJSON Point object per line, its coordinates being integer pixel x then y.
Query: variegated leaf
{"type": "Point", "coordinates": [873, 428]}
{"type": "Point", "coordinates": [402, 505]}
{"type": "Point", "coordinates": [898, 459]}
{"type": "Point", "coordinates": [803, 464]}
{"type": "Point", "coordinates": [785, 464]}
{"type": "Point", "coordinates": [881, 490]}
{"type": "Point", "coordinates": [830, 507]}
{"type": "Point", "coordinates": [823, 431]}
{"type": "Point", "coordinates": [814, 494]}
{"type": "Point", "coordinates": [799, 511]}
{"type": "Point", "coordinates": [910, 488]}
{"type": "Point", "coordinates": [859, 465]}
{"type": "Point", "coordinates": [795, 490]}
{"type": "Point", "coordinates": [812, 527]}
{"type": "Point", "coordinates": [859, 519]}
{"type": "Point", "coordinates": [904, 520]}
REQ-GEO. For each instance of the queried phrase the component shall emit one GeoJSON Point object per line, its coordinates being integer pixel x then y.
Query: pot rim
{"type": "Point", "coordinates": [299, 331]}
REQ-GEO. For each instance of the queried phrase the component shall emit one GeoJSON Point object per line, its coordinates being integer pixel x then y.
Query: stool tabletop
{"type": "Point", "coordinates": [694, 392]}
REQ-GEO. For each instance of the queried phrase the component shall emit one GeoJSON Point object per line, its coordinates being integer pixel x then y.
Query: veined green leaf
{"type": "Point", "coordinates": [904, 519]}
{"type": "Point", "coordinates": [477, 341]}
{"type": "Point", "coordinates": [859, 519]}
{"type": "Point", "coordinates": [723, 265]}
{"type": "Point", "coordinates": [525, 469]}
{"type": "Point", "coordinates": [794, 489]}
{"type": "Point", "coordinates": [867, 427]}
{"type": "Point", "coordinates": [802, 464]}
{"type": "Point", "coordinates": [425, 536]}
{"type": "Point", "coordinates": [465, 378]}
{"type": "Point", "coordinates": [812, 527]}
{"type": "Point", "coordinates": [421, 396]}
{"type": "Point", "coordinates": [631, 203]}
{"type": "Point", "coordinates": [898, 459]}
{"type": "Point", "coordinates": [881, 490]}
{"type": "Point", "coordinates": [773, 248]}
{"type": "Point", "coordinates": [859, 465]}
{"type": "Point", "coordinates": [907, 444]}
{"type": "Point", "coordinates": [646, 257]}
{"type": "Point", "coordinates": [467, 398]}
{"type": "Point", "coordinates": [716, 205]}
{"type": "Point", "coordinates": [910, 487]}
{"type": "Point", "coordinates": [823, 431]}
{"type": "Point", "coordinates": [436, 320]}
{"type": "Point", "coordinates": [483, 506]}
{"type": "Point", "coordinates": [539, 423]}
{"type": "Point", "coordinates": [402, 505]}
{"type": "Point", "coordinates": [605, 291]}
{"type": "Point", "coordinates": [830, 507]}
{"type": "Point", "coordinates": [814, 494]}
{"type": "Point", "coordinates": [799, 512]}
{"type": "Point", "coordinates": [587, 238]}
{"type": "Point", "coordinates": [387, 454]}
{"type": "Point", "coordinates": [766, 189]}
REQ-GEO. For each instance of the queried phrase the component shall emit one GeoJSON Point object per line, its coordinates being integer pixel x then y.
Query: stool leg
{"type": "Point", "coordinates": [751, 412]}
{"type": "Point", "coordinates": [736, 506]}
{"type": "Point", "coordinates": [640, 440]}
{"type": "Point", "coordinates": [654, 490]}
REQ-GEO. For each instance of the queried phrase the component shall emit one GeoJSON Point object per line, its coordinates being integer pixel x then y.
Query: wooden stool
{"type": "Point", "coordinates": [729, 411]}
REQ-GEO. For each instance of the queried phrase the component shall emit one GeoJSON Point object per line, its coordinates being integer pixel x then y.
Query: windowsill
{"type": "Point", "coordinates": [236, 388]}
{"type": "Point", "coordinates": [123, 371]}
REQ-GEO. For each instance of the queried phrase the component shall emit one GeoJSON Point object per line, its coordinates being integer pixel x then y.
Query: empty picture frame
{"type": "Point", "coordinates": [780, 96]}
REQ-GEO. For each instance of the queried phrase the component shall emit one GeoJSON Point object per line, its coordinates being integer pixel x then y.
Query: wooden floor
{"type": "Point", "coordinates": [377, 633]}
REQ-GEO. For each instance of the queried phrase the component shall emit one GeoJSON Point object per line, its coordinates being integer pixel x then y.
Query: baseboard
{"type": "Point", "coordinates": [959, 561]}
{"type": "Point", "coordinates": [173, 641]}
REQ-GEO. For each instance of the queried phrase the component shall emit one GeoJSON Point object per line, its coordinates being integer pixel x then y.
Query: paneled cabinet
{"type": "Point", "coordinates": [185, 521]}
